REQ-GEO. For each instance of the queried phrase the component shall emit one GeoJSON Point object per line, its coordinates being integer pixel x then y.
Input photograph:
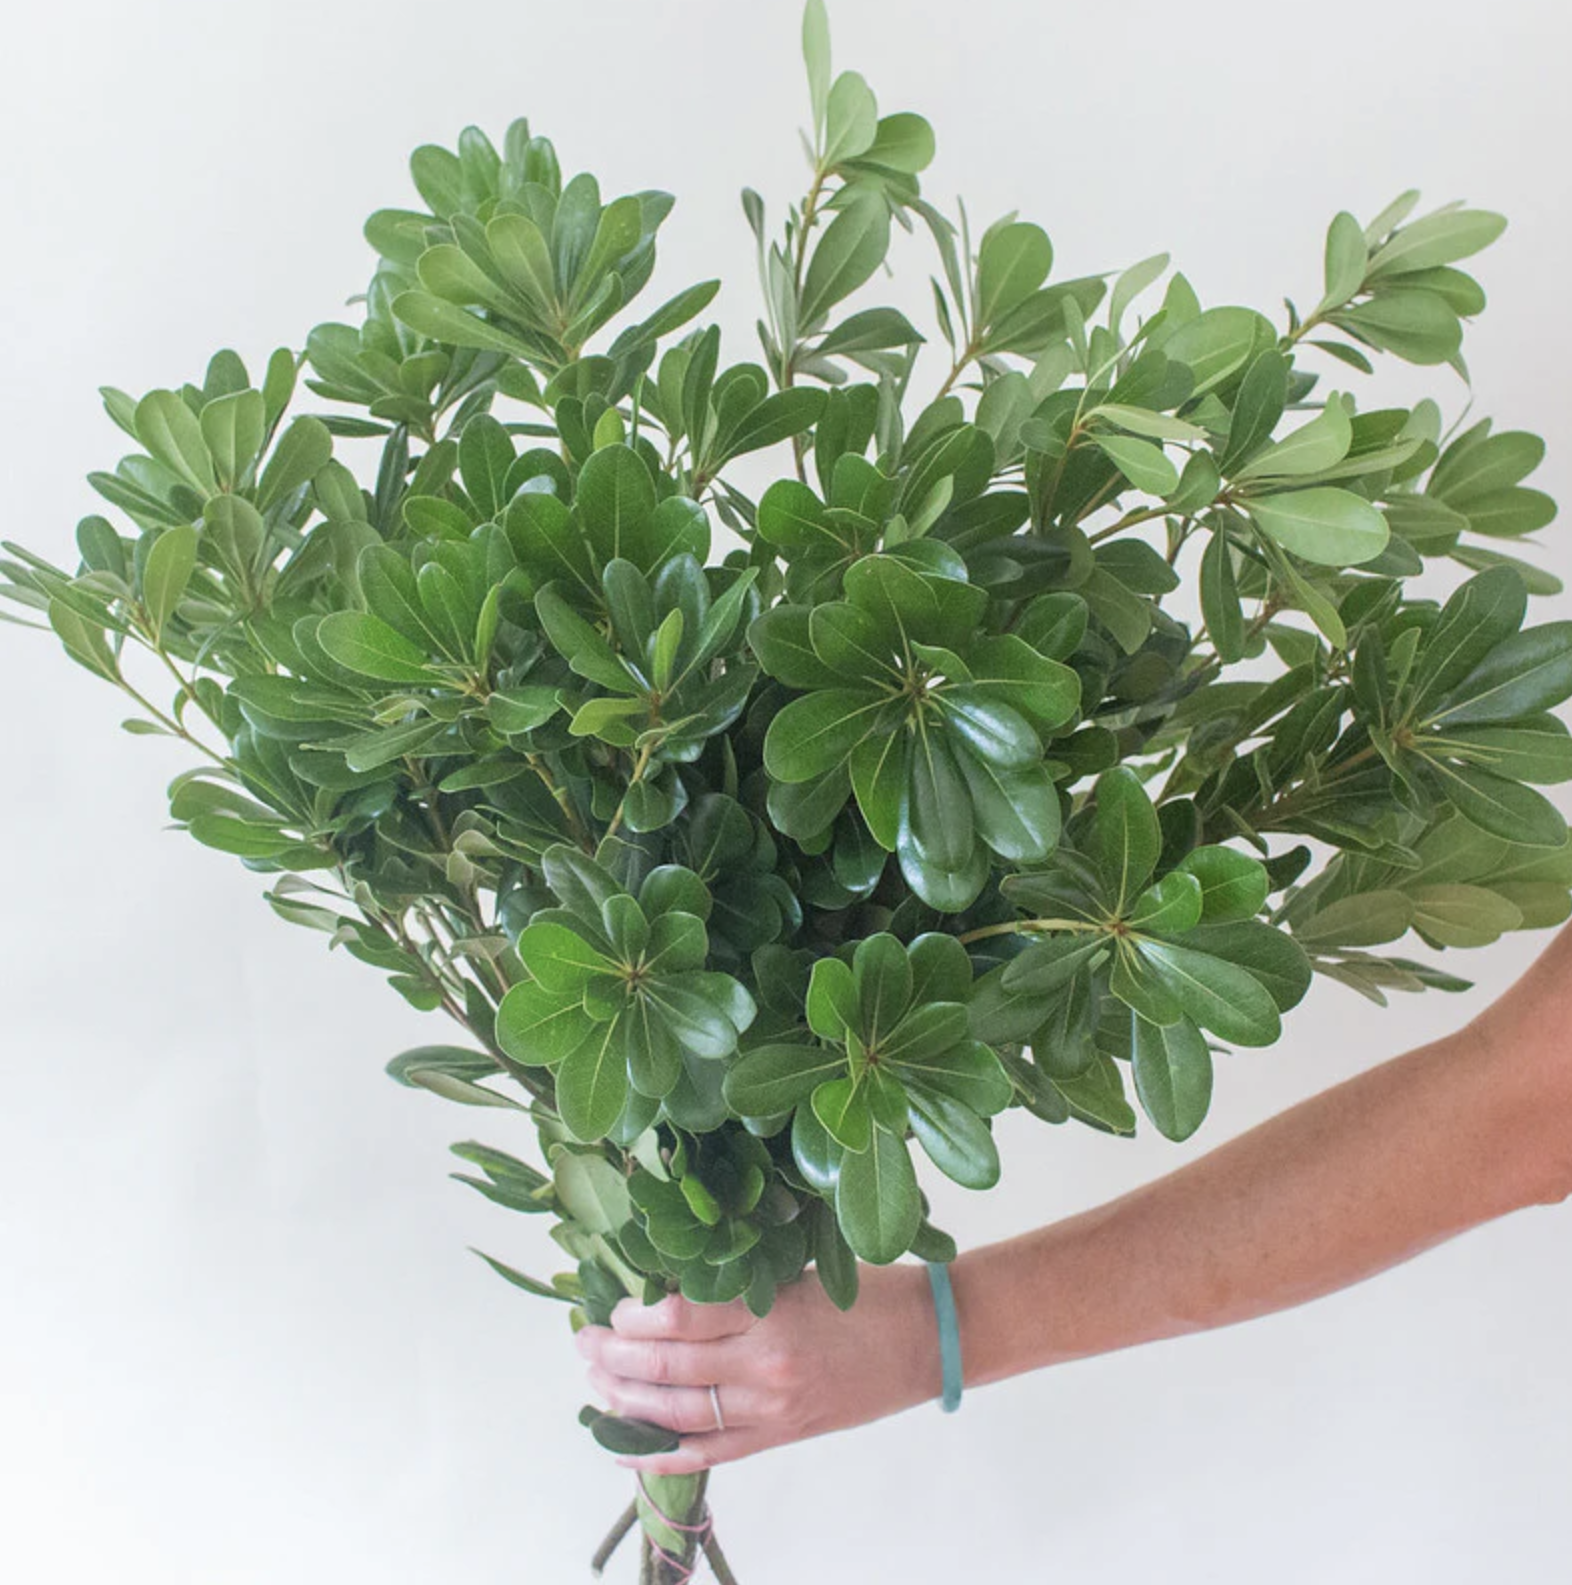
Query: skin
{"type": "Point", "coordinates": [1346, 1184]}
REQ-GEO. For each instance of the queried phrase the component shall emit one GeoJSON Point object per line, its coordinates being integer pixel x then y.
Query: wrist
{"type": "Point", "coordinates": [917, 1325]}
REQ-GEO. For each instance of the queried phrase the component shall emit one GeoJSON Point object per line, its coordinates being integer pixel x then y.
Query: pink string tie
{"type": "Point", "coordinates": [703, 1529]}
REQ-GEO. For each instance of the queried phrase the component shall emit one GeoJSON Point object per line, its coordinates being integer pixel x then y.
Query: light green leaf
{"type": "Point", "coordinates": [852, 248]}
{"type": "Point", "coordinates": [168, 569]}
{"type": "Point", "coordinates": [173, 436]}
{"type": "Point", "coordinates": [1146, 466]}
{"type": "Point", "coordinates": [1346, 257]}
{"type": "Point", "coordinates": [1316, 446]}
{"type": "Point", "coordinates": [1332, 527]}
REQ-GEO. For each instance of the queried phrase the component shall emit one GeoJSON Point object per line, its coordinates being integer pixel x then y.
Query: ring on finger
{"type": "Point", "coordinates": [720, 1419]}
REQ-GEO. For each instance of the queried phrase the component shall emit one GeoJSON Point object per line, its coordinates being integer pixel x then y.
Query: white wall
{"type": "Point", "coordinates": [241, 1340]}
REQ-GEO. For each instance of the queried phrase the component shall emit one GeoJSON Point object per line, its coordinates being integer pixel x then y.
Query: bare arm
{"type": "Point", "coordinates": [1341, 1186]}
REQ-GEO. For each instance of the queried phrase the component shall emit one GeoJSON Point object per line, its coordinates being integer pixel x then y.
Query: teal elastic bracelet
{"type": "Point", "coordinates": [949, 1334]}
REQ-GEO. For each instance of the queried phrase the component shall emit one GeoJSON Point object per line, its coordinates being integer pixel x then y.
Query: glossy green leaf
{"type": "Point", "coordinates": [876, 1199]}
{"type": "Point", "coordinates": [1172, 1069]}
{"type": "Point", "coordinates": [1128, 836]}
{"type": "Point", "coordinates": [772, 1079]}
{"type": "Point", "coordinates": [956, 1139]}
{"type": "Point", "coordinates": [1233, 885]}
{"type": "Point", "coordinates": [1216, 994]}
{"type": "Point", "coordinates": [592, 1083]}
{"type": "Point", "coordinates": [816, 733]}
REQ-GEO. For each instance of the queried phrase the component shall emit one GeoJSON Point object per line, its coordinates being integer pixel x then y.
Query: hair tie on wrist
{"type": "Point", "coordinates": [949, 1334]}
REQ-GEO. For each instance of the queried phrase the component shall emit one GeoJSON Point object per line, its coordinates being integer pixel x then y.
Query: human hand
{"type": "Point", "coordinates": [803, 1369]}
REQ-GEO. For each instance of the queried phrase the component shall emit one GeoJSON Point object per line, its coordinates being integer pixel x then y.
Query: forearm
{"type": "Point", "coordinates": [1337, 1188]}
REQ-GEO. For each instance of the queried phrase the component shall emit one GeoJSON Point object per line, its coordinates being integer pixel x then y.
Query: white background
{"type": "Point", "coordinates": [241, 1339]}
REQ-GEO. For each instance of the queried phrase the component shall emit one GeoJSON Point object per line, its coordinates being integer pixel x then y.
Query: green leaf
{"type": "Point", "coordinates": [170, 563]}
{"type": "Point", "coordinates": [1217, 343]}
{"type": "Point", "coordinates": [852, 645]}
{"type": "Point", "coordinates": [852, 248]}
{"type": "Point", "coordinates": [1506, 809]}
{"type": "Point", "coordinates": [301, 453]}
{"type": "Point", "coordinates": [1418, 326]}
{"type": "Point", "coordinates": [542, 1290]}
{"type": "Point", "coordinates": [1365, 919]}
{"type": "Point", "coordinates": [580, 644]}
{"type": "Point", "coordinates": [851, 120]}
{"type": "Point", "coordinates": [990, 730]}
{"type": "Point", "coordinates": [876, 1199]}
{"type": "Point", "coordinates": [1171, 906]}
{"type": "Point", "coordinates": [902, 142]}
{"type": "Point", "coordinates": [971, 1072]}
{"type": "Point", "coordinates": [1097, 1096]}
{"type": "Point", "coordinates": [780, 639]}
{"type": "Point", "coordinates": [234, 428]}
{"type": "Point", "coordinates": [1334, 528]}
{"type": "Point", "coordinates": [1538, 749]}
{"type": "Point", "coordinates": [615, 498]}
{"type": "Point", "coordinates": [1142, 421]}
{"type": "Point", "coordinates": [872, 330]}
{"type": "Point", "coordinates": [1128, 836]}
{"type": "Point", "coordinates": [1271, 956]}
{"type": "Point", "coordinates": [1437, 239]}
{"type": "Point", "coordinates": [173, 436]}
{"type": "Point", "coordinates": [883, 977]}
{"type": "Point", "coordinates": [453, 1060]}
{"type": "Point", "coordinates": [841, 1104]}
{"type": "Point", "coordinates": [936, 815]}
{"type": "Point", "coordinates": [1014, 672]}
{"type": "Point", "coordinates": [559, 959]}
{"type": "Point", "coordinates": [1013, 261]}
{"type": "Point", "coordinates": [1523, 675]}
{"type": "Point", "coordinates": [591, 1190]}
{"type": "Point", "coordinates": [1233, 885]}
{"type": "Point", "coordinates": [1172, 1069]}
{"type": "Point", "coordinates": [1477, 468]}
{"type": "Point", "coordinates": [455, 1089]}
{"type": "Point", "coordinates": [880, 775]}
{"type": "Point", "coordinates": [1016, 810]}
{"type": "Point", "coordinates": [816, 55]}
{"type": "Point", "coordinates": [955, 1138]}
{"type": "Point", "coordinates": [1475, 619]}
{"type": "Point", "coordinates": [832, 999]}
{"type": "Point", "coordinates": [776, 418]}
{"type": "Point", "coordinates": [592, 1083]}
{"type": "Point", "coordinates": [1346, 258]}
{"type": "Point", "coordinates": [772, 1079]}
{"type": "Point", "coordinates": [816, 733]}
{"type": "Point", "coordinates": [429, 315]}
{"type": "Point", "coordinates": [1312, 448]}
{"type": "Point", "coordinates": [630, 1438]}
{"type": "Point", "coordinates": [1218, 995]}
{"type": "Point", "coordinates": [539, 1027]}
{"type": "Point", "coordinates": [1146, 466]}
{"type": "Point", "coordinates": [367, 645]}
{"type": "Point", "coordinates": [1463, 916]}
{"type": "Point", "coordinates": [1220, 604]}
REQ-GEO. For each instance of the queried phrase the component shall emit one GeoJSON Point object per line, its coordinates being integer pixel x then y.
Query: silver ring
{"type": "Point", "coordinates": [720, 1419]}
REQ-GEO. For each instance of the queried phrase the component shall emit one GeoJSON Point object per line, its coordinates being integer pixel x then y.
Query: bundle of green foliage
{"type": "Point", "coordinates": [746, 872]}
